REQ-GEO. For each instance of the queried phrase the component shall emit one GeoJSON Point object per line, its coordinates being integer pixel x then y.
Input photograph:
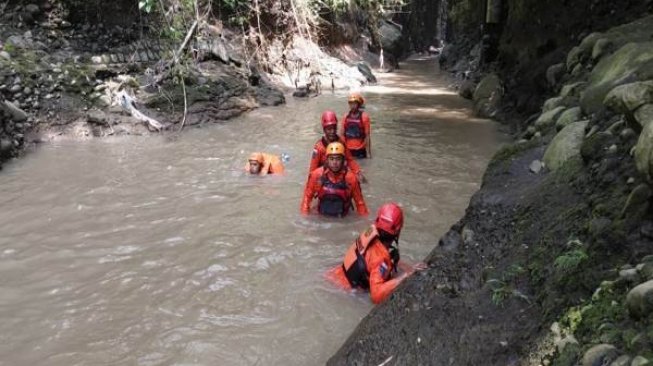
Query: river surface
{"type": "Point", "coordinates": [160, 251]}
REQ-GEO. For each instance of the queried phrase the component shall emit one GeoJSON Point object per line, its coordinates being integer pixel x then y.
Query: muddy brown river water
{"type": "Point", "coordinates": [159, 251]}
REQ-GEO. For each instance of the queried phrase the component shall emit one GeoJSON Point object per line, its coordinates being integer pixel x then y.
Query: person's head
{"type": "Point", "coordinates": [255, 162]}
{"type": "Point", "coordinates": [389, 221]}
{"type": "Point", "coordinates": [335, 153]}
{"type": "Point", "coordinates": [330, 125]}
{"type": "Point", "coordinates": [355, 101]}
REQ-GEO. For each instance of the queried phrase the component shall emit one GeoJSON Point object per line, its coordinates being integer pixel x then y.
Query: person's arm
{"type": "Point", "coordinates": [265, 169]}
{"type": "Point", "coordinates": [309, 192]}
{"type": "Point", "coordinates": [367, 125]}
{"type": "Point", "coordinates": [381, 285]}
{"type": "Point", "coordinates": [357, 195]}
{"type": "Point", "coordinates": [316, 159]}
{"type": "Point", "coordinates": [341, 128]}
{"type": "Point", "coordinates": [351, 163]}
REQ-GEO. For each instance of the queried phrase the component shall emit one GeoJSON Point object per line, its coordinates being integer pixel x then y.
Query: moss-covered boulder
{"type": "Point", "coordinates": [573, 89]}
{"type": "Point", "coordinates": [552, 103]}
{"type": "Point", "coordinates": [640, 361]}
{"type": "Point", "coordinates": [600, 355]}
{"type": "Point", "coordinates": [640, 30]}
{"type": "Point", "coordinates": [489, 85]}
{"type": "Point", "coordinates": [644, 152]}
{"type": "Point", "coordinates": [583, 51]}
{"type": "Point", "coordinates": [568, 117]}
{"type": "Point", "coordinates": [554, 73]}
{"type": "Point", "coordinates": [487, 96]}
{"type": "Point", "coordinates": [632, 62]}
{"type": "Point", "coordinates": [601, 48]}
{"type": "Point", "coordinates": [628, 97]}
{"type": "Point", "coordinates": [565, 144]}
{"type": "Point", "coordinates": [639, 300]}
{"type": "Point", "coordinates": [548, 118]}
{"type": "Point", "coordinates": [621, 361]}
{"type": "Point", "coordinates": [644, 114]}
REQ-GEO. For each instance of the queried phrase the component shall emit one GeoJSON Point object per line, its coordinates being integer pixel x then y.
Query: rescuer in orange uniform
{"type": "Point", "coordinates": [263, 164]}
{"type": "Point", "coordinates": [319, 156]}
{"type": "Point", "coordinates": [334, 185]}
{"type": "Point", "coordinates": [371, 262]}
{"type": "Point", "coordinates": [356, 128]}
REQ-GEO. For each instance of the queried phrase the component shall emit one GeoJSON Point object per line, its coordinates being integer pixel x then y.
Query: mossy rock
{"type": "Point", "coordinates": [629, 97]}
{"type": "Point", "coordinates": [573, 89]}
{"type": "Point", "coordinates": [548, 119]}
{"type": "Point", "coordinates": [644, 152]}
{"type": "Point", "coordinates": [640, 361]}
{"type": "Point", "coordinates": [644, 115]}
{"type": "Point", "coordinates": [568, 117]}
{"type": "Point", "coordinates": [552, 103]}
{"type": "Point", "coordinates": [640, 30]}
{"type": "Point", "coordinates": [601, 48]}
{"type": "Point", "coordinates": [583, 51]}
{"type": "Point", "coordinates": [488, 86]}
{"type": "Point", "coordinates": [639, 300]}
{"type": "Point", "coordinates": [632, 62]}
{"type": "Point", "coordinates": [622, 361]}
{"type": "Point", "coordinates": [565, 144]}
{"type": "Point", "coordinates": [599, 355]}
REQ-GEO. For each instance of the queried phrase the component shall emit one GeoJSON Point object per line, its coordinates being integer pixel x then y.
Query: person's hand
{"type": "Point", "coordinates": [420, 266]}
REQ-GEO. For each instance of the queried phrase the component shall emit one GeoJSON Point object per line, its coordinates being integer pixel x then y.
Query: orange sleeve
{"type": "Point", "coordinates": [316, 158]}
{"type": "Point", "coordinates": [357, 194]}
{"type": "Point", "coordinates": [351, 162]}
{"type": "Point", "coordinates": [309, 191]}
{"type": "Point", "coordinates": [381, 285]}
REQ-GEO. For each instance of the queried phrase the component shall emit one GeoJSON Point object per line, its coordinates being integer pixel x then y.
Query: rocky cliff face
{"type": "Point", "coordinates": [551, 264]}
{"type": "Point", "coordinates": [528, 37]}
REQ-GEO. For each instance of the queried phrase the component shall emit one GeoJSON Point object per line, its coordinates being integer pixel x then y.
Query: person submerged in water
{"type": "Point", "coordinates": [334, 185]}
{"type": "Point", "coordinates": [371, 262]}
{"type": "Point", "coordinates": [264, 164]}
{"type": "Point", "coordinates": [319, 157]}
{"type": "Point", "coordinates": [356, 128]}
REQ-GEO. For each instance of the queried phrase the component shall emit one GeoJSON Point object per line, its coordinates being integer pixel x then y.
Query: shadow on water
{"type": "Point", "coordinates": [156, 251]}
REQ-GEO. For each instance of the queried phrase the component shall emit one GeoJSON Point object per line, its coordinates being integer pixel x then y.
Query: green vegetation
{"type": "Point", "coordinates": [505, 287]}
{"type": "Point", "coordinates": [570, 260]}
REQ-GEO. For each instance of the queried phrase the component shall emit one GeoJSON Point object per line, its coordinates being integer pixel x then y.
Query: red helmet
{"type": "Point", "coordinates": [329, 118]}
{"type": "Point", "coordinates": [390, 218]}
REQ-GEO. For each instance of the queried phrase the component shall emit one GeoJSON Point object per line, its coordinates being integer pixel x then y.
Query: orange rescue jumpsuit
{"type": "Point", "coordinates": [378, 266]}
{"type": "Point", "coordinates": [356, 132]}
{"type": "Point", "coordinates": [319, 156]}
{"type": "Point", "coordinates": [271, 165]}
{"type": "Point", "coordinates": [322, 182]}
